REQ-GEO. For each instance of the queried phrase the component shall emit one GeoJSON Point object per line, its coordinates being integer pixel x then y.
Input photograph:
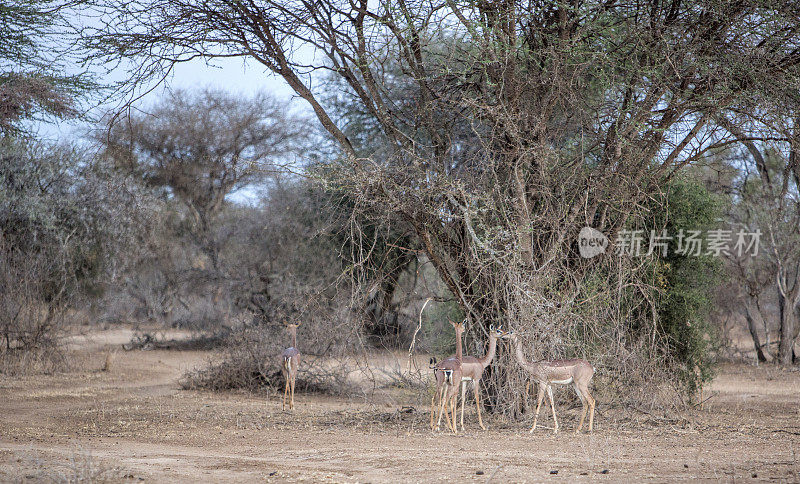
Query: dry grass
{"type": "Point", "coordinates": [81, 467]}
{"type": "Point", "coordinates": [46, 360]}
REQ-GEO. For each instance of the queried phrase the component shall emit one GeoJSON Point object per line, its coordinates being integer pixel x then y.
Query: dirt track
{"type": "Point", "coordinates": [136, 419]}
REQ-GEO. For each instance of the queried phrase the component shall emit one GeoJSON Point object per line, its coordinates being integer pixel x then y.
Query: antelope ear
{"type": "Point", "coordinates": [491, 327]}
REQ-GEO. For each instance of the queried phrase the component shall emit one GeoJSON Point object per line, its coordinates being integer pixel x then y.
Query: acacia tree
{"type": "Point", "coordinates": [521, 122]}
{"type": "Point", "coordinates": [35, 77]}
{"type": "Point", "coordinates": [203, 146]}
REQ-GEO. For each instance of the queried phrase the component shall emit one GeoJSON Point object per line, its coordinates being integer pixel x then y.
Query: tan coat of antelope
{"type": "Point", "coordinates": [448, 375]}
{"type": "Point", "coordinates": [546, 373]}
{"type": "Point", "coordinates": [472, 371]}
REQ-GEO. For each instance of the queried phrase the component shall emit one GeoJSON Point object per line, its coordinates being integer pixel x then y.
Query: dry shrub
{"type": "Point", "coordinates": [34, 314]}
{"type": "Point", "coordinates": [603, 319]}
{"type": "Point", "coordinates": [250, 360]}
{"type": "Point", "coordinates": [64, 221]}
{"type": "Point", "coordinates": [250, 357]}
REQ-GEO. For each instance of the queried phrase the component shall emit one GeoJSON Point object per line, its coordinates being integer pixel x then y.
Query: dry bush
{"type": "Point", "coordinates": [250, 358]}
{"type": "Point", "coordinates": [34, 318]}
{"type": "Point", "coordinates": [64, 222]}
{"type": "Point", "coordinates": [251, 361]}
{"type": "Point", "coordinates": [166, 281]}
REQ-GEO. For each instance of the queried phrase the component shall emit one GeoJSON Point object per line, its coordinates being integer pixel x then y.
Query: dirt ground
{"type": "Point", "coordinates": [134, 423]}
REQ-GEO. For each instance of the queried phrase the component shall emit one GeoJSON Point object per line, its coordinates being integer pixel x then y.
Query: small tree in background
{"type": "Point", "coordinates": [201, 147]}
{"type": "Point", "coordinates": [66, 224]}
{"type": "Point", "coordinates": [767, 201]}
{"type": "Point", "coordinates": [197, 148]}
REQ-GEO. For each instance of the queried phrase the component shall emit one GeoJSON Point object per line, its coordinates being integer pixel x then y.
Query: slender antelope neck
{"type": "Point", "coordinates": [489, 356]}
{"type": "Point", "coordinates": [546, 373]}
{"type": "Point", "coordinates": [293, 332]}
{"type": "Point", "coordinates": [459, 354]}
{"type": "Point", "coordinates": [520, 356]}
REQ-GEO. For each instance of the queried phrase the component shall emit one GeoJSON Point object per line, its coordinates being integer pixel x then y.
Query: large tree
{"type": "Point", "coordinates": [520, 122]}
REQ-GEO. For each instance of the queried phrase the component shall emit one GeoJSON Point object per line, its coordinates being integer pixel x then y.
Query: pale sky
{"type": "Point", "coordinates": [233, 75]}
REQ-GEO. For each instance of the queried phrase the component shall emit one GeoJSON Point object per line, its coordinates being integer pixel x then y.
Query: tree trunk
{"type": "Point", "coordinates": [788, 297]}
{"type": "Point", "coordinates": [795, 356]}
{"type": "Point", "coordinates": [381, 315]}
{"type": "Point", "coordinates": [786, 345]}
{"type": "Point", "coordinates": [750, 313]}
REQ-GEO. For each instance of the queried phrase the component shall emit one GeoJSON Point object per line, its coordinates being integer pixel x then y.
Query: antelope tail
{"type": "Point", "coordinates": [448, 376]}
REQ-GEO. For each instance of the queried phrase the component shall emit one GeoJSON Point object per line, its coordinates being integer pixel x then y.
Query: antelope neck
{"type": "Point", "coordinates": [521, 357]}
{"type": "Point", "coordinates": [489, 356]}
{"type": "Point", "coordinates": [459, 354]}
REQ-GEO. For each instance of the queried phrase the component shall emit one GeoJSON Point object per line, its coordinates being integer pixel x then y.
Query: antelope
{"type": "Point", "coordinates": [448, 376]}
{"type": "Point", "coordinates": [546, 373]}
{"type": "Point", "coordinates": [290, 362]}
{"type": "Point", "coordinates": [472, 371]}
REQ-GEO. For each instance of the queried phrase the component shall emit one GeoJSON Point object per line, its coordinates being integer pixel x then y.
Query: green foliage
{"type": "Point", "coordinates": [661, 303]}
{"type": "Point", "coordinates": [687, 282]}
{"type": "Point", "coordinates": [437, 333]}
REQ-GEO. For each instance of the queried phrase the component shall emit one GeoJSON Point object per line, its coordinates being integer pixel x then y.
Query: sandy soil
{"type": "Point", "coordinates": [134, 423]}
